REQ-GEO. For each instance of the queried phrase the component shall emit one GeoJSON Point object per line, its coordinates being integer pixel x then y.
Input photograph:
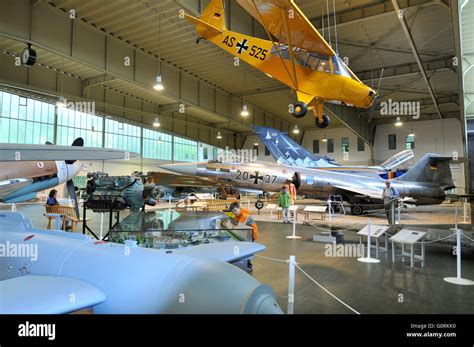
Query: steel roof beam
{"type": "Point", "coordinates": [401, 17]}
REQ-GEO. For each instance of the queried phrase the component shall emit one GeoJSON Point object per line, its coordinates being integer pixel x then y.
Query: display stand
{"type": "Point", "coordinates": [294, 209]}
{"type": "Point", "coordinates": [377, 231]}
{"type": "Point", "coordinates": [410, 238]}
{"type": "Point", "coordinates": [369, 259]}
{"type": "Point", "coordinates": [458, 279]}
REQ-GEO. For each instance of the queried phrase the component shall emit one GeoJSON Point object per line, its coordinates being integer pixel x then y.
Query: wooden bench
{"type": "Point", "coordinates": [68, 212]}
{"type": "Point", "coordinates": [318, 210]}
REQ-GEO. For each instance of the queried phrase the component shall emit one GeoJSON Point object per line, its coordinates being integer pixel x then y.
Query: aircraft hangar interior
{"type": "Point", "coordinates": [250, 156]}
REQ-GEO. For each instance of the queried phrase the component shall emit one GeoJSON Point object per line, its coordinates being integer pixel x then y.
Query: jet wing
{"type": "Point", "coordinates": [225, 251]}
{"type": "Point", "coordinates": [47, 295]}
{"type": "Point", "coordinates": [171, 179]}
{"type": "Point", "coordinates": [9, 186]}
{"type": "Point", "coordinates": [269, 13]}
{"type": "Point", "coordinates": [17, 152]}
{"type": "Point", "coordinates": [371, 193]}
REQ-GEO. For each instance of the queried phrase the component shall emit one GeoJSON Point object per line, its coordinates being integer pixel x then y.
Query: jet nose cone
{"type": "Point", "coordinates": [182, 168]}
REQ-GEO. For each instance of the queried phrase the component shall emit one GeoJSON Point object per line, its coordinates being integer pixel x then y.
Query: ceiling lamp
{"type": "Point", "coordinates": [325, 139]}
{"type": "Point", "coordinates": [245, 111]}
{"type": "Point", "coordinates": [219, 136]}
{"type": "Point", "coordinates": [62, 102]}
{"type": "Point", "coordinates": [256, 144]}
{"type": "Point", "coordinates": [159, 84]}
{"type": "Point", "coordinates": [411, 133]}
{"type": "Point", "coordinates": [296, 130]}
{"type": "Point", "coordinates": [156, 123]}
{"type": "Point", "coordinates": [398, 123]}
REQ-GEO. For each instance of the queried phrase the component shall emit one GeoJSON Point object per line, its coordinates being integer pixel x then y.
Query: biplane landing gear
{"type": "Point", "coordinates": [299, 109]}
{"type": "Point", "coordinates": [322, 121]}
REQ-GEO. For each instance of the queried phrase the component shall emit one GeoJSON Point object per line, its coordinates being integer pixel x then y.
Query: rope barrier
{"type": "Point", "coordinates": [273, 259]}
{"type": "Point", "coordinates": [327, 291]}
{"type": "Point", "coordinates": [467, 237]}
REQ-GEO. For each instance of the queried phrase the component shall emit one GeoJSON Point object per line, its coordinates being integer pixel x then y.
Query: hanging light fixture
{"type": "Point", "coordinates": [411, 133]}
{"type": "Point", "coordinates": [219, 136]}
{"type": "Point", "coordinates": [325, 139]}
{"type": "Point", "coordinates": [245, 110]}
{"type": "Point", "coordinates": [159, 84]}
{"type": "Point", "coordinates": [159, 81]}
{"type": "Point", "coordinates": [256, 144]}
{"type": "Point", "coordinates": [156, 123]}
{"type": "Point", "coordinates": [398, 123]}
{"type": "Point", "coordinates": [296, 130]}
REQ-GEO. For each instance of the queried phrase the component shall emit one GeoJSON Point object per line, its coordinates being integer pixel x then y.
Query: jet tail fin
{"type": "Point", "coordinates": [284, 150]}
{"type": "Point", "coordinates": [211, 21]}
{"type": "Point", "coordinates": [432, 168]}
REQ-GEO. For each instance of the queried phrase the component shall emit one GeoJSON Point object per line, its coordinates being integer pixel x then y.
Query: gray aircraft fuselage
{"type": "Point", "coordinates": [270, 177]}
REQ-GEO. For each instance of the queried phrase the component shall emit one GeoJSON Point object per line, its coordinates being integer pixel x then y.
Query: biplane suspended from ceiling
{"type": "Point", "coordinates": [296, 55]}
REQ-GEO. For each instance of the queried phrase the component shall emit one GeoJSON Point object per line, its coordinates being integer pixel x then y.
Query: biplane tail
{"type": "Point", "coordinates": [212, 20]}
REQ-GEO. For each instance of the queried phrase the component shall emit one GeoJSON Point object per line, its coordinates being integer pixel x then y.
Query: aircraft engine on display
{"type": "Point", "coordinates": [104, 192]}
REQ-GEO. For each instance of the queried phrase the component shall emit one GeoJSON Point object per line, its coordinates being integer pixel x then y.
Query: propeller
{"type": "Point", "coordinates": [376, 98]}
{"type": "Point", "coordinates": [71, 188]}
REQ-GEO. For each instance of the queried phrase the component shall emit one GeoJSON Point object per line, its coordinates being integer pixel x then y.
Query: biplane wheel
{"type": "Point", "coordinates": [299, 109]}
{"type": "Point", "coordinates": [259, 205]}
{"type": "Point", "coordinates": [322, 122]}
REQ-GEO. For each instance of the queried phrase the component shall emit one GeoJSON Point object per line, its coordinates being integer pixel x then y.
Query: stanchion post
{"type": "Point", "coordinates": [458, 279]}
{"type": "Point", "coordinates": [169, 202]}
{"type": "Point", "coordinates": [291, 285]}
{"type": "Point", "coordinates": [399, 213]}
{"type": "Point", "coordinates": [101, 224]}
{"type": "Point", "coordinates": [13, 207]}
{"type": "Point", "coordinates": [294, 226]}
{"type": "Point", "coordinates": [330, 209]}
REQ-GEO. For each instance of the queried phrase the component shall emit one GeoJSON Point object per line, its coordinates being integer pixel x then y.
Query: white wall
{"type": "Point", "coordinates": [442, 137]}
{"type": "Point", "coordinates": [354, 158]}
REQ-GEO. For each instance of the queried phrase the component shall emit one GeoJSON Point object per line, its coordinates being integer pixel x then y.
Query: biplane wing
{"type": "Point", "coordinates": [273, 16]}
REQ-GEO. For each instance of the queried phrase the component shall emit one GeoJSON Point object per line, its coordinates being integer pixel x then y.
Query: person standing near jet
{"type": "Point", "coordinates": [284, 203]}
{"type": "Point", "coordinates": [390, 197]}
{"type": "Point", "coordinates": [292, 190]}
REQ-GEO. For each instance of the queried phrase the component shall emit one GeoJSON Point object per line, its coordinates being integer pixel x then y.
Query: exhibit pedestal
{"type": "Point", "coordinates": [461, 281]}
{"type": "Point", "coordinates": [294, 237]}
{"type": "Point", "coordinates": [368, 259]}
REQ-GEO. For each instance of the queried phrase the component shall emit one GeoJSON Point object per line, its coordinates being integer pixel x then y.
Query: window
{"type": "Point", "coordinates": [330, 145]}
{"type": "Point", "coordinates": [345, 144]}
{"type": "Point", "coordinates": [255, 150]}
{"type": "Point", "coordinates": [360, 145]}
{"type": "Point", "coordinates": [315, 146]}
{"type": "Point", "coordinates": [157, 145]}
{"type": "Point", "coordinates": [122, 136]}
{"type": "Point", "coordinates": [392, 141]}
{"type": "Point", "coordinates": [73, 124]}
{"type": "Point", "coordinates": [267, 151]}
{"type": "Point", "coordinates": [205, 153]}
{"type": "Point", "coordinates": [410, 142]}
{"type": "Point", "coordinates": [185, 150]}
{"type": "Point", "coordinates": [25, 120]}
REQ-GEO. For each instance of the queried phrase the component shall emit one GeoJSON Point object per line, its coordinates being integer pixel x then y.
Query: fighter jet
{"type": "Point", "coordinates": [45, 272]}
{"type": "Point", "coordinates": [28, 169]}
{"type": "Point", "coordinates": [286, 151]}
{"type": "Point", "coordinates": [425, 183]}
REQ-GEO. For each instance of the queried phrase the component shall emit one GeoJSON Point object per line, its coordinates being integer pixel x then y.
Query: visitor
{"type": "Point", "coordinates": [291, 190]}
{"type": "Point", "coordinates": [52, 201]}
{"type": "Point", "coordinates": [390, 197]}
{"type": "Point", "coordinates": [285, 202]}
{"type": "Point", "coordinates": [242, 215]}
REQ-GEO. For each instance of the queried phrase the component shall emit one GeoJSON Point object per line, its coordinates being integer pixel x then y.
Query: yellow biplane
{"type": "Point", "coordinates": [296, 55]}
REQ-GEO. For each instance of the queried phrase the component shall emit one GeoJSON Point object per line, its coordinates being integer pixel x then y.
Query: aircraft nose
{"type": "Point", "coordinates": [182, 168]}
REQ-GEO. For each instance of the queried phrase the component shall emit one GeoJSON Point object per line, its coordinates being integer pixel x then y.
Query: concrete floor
{"type": "Point", "coordinates": [368, 288]}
